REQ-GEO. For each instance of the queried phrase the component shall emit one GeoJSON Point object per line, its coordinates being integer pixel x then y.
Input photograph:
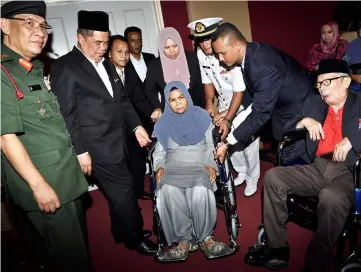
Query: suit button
{"type": "Point", "coordinates": [206, 74]}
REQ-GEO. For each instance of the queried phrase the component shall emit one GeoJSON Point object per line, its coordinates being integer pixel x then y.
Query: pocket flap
{"type": "Point", "coordinates": [46, 159]}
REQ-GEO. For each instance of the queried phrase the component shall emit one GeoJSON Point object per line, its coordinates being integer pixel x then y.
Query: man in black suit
{"type": "Point", "coordinates": [138, 60]}
{"type": "Point", "coordinates": [119, 55]}
{"type": "Point", "coordinates": [96, 113]}
{"type": "Point", "coordinates": [333, 122]}
{"type": "Point", "coordinates": [276, 82]}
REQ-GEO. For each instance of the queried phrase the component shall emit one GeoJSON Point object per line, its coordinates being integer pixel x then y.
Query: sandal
{"type": "Point", "coordinates": [215, 249]}
{"type": "Point", "coordinates": [177, 254]}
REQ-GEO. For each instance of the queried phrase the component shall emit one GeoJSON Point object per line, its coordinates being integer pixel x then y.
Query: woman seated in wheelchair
{"type": "Point", "coordinates": [333, 122]}
{"type": "Point", "coordinates": [185, 176]}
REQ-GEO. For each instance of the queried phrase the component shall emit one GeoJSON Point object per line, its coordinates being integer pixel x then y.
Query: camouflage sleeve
{"type": "Point", "coordinates": [11, 122]}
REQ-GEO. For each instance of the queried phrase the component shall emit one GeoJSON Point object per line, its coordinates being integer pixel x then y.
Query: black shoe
{"type": "Point", "coordinates": [147, 233]}
{"type": "Point", "coordinates": [145, 196]}
{"type": "Point", "coordinates": [147, 247]}
{"type": "Point", "coordinates": [272, 258]}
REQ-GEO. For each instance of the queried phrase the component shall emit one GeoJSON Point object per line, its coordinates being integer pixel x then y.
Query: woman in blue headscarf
{"type": "Point", "coordinates": [185, 174]}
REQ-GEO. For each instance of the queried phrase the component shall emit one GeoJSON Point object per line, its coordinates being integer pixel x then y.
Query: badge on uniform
{"type": "Point", "coordinates": [47, 82]}
{"type": "Point", "coordinates": [42, 110]}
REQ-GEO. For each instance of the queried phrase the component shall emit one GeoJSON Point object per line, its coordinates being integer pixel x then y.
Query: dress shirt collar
{"type": "Point", "coordinates": [92, 61]}
{"type": "Point", "coordinates": [134, 59]}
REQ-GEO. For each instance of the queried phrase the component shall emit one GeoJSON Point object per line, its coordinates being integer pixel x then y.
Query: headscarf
{"type": "Point", "coordinates": [329, 48]}
{"type": "Point", "coordinates": [173, 69]}
{"type": "Point", "coordinates": [188, 128]}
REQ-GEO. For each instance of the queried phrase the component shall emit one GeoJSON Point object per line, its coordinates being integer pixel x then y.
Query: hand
{"type": "Point", "coordinates": [46, 198]}
{"type": "Point", "coordinates": [224, 129]}
{"type": "Point", "coordinates": [220, 153]}
{"type": "Point", "coordinates": [156, 115]}
{"type": "Point", "coordinates": [341, 150]}
{"type": "Point", "coordinates": [314, 128]}
{"type": "Point", "coordinates": [212, 174]}
{"type": "Point", "coordinates": [158, 174]}
{"type": "Point", "coordinates": [142, 136]}
{"type": "Point", "coordinates": [211, 111]}
{"type": "Point", "coordinates": [85, 163]}
{"type": "Point", "coordinates": [219, 117]}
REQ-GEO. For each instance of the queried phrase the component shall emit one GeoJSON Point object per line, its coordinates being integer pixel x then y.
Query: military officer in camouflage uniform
{"type": "Point", "coordinates": [43, 175]}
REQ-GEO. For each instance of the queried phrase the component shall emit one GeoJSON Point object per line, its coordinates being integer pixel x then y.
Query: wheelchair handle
{"type": "Point", "coordinates": [289, 138]}
{"type": "Point", "coordinates": [216, 136]}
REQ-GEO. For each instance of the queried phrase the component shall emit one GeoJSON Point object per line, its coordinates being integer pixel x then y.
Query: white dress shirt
{"type": "Point", "coordinates": [99, 67]}
{"type": "Point", "coordinates": [139, 66]}
{"type": "Point", "coordinates": [225, 82]}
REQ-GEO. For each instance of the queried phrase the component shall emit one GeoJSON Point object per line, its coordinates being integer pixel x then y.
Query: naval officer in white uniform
{"type": "Point", "coordinates": [227, 84]}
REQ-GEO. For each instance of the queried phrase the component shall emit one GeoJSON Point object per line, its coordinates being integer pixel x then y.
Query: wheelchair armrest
{"type": "Point", "coordinates": [289, 138]}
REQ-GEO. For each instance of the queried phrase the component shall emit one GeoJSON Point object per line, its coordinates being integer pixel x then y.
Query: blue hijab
{"type": "Point", "coordinates": [188, 128]}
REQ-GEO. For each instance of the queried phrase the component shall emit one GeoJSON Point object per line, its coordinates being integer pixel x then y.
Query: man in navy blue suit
{"type": "Point", "coordinates": [276, 83]}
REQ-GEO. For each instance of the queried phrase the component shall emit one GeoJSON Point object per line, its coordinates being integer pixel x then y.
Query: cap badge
{"type": "Point", "coordinates": [200, 27]}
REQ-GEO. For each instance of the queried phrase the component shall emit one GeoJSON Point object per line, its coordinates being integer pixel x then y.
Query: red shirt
{"type": "Point", "coordinates": [333, 132]}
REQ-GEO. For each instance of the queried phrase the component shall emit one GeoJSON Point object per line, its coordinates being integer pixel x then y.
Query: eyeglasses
{"type": "Point", "coordinates": [326, 82]}
{"type": "Point", "coordinates": [32, 25]}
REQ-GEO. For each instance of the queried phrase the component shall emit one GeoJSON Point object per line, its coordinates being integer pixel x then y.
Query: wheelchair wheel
{"type": "Point", "coordinates": [261, 238]}
{"type": "Point", "coordinates": [351, 267]}
{"type": "Point", "coordinates": [234, 227]}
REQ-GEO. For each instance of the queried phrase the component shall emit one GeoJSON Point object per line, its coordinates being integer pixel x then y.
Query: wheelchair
{"type": "Point", "coordinates": [229, 202]}
{"type": "Point", "coordinates": [302, 211]}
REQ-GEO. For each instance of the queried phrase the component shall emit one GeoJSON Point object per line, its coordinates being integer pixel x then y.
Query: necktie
{"type": "Point", "coordinates": [121, 74]}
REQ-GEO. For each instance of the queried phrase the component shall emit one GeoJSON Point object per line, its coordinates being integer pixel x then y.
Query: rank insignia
{"type": "Point", "coordinates": [25, 64]}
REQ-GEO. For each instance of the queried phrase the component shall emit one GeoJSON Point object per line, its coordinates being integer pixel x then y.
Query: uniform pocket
{"type": "Point", "coordinates": [46, 159]}
{"type": "Point", "coordinates": [38, 104]}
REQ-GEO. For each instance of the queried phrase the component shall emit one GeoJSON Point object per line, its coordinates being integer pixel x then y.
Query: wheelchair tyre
{"type": "Point", "coordinates": [234, 228]}
{"type": "Point", "coordinates": [232, 199]}
{"type": "Point", "coordinates": [351, 267]}
{"type": "Point", "coordinates": [261, 238]}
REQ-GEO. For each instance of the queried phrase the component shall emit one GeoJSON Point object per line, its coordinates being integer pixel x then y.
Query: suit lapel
{"type": "Point", "coordinates": [350, 121]}
{"type": "Point", "coordinates": [114, 78]}
{"type": "Point", "coordinates": [90, 70]}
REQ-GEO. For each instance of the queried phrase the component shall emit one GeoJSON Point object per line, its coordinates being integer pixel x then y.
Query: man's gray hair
{"type": "Point", "coordinates": [343, 75]}
{"type": "Point", "coordinates": [85, 32]}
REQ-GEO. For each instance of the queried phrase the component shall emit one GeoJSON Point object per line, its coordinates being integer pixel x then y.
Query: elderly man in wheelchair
{"type": "Point", "coordinates": [185, 176]}
{"type": "Point", "coordinates": [333, 122]}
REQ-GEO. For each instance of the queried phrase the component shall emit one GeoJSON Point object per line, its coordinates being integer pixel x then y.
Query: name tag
{"type": "Point", "coordinates": [34, 88]}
